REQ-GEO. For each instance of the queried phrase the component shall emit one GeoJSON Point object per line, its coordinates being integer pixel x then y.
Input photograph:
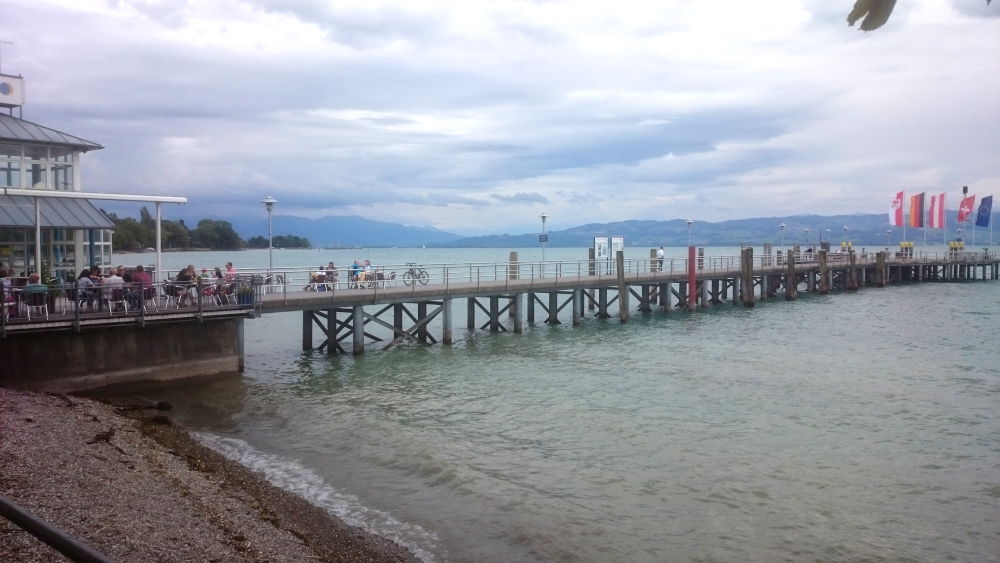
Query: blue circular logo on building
{"type": "Point", "coordinates": [5, 88]}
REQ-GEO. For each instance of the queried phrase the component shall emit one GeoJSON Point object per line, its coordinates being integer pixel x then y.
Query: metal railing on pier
{"type": "Point", "coordinates": [77, 303]}
{"type": "Point", "coordinates": [294, 280]}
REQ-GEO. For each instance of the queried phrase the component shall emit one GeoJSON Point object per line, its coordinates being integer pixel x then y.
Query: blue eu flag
{"type": "Point", "coordinates": [983, 216]}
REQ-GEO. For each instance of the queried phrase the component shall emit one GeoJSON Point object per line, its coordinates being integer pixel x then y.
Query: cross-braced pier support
{"type": "Point", "coordinates": [340, 324]}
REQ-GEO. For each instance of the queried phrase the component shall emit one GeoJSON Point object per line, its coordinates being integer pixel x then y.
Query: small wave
{"type": "Point", "coordinates": [302, 481]}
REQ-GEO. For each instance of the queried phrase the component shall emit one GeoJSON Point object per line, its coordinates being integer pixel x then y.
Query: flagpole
{"type": "Point", "coordinates": [944, 224]}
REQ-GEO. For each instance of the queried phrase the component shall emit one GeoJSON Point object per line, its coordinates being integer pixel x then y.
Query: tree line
{"type": "Point", "coordinates": [134, 235]}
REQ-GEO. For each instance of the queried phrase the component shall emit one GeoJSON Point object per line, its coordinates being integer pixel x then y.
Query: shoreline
{"type": "Point", "coordinates": [124, 478]}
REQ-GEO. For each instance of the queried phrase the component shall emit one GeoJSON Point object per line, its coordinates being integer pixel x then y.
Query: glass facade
{"type": "Point", "coordinates": [64, 252]}
{"type": "Point", "coordinates": [38, 167]}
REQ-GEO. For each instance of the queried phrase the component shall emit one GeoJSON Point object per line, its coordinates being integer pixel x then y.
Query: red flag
{"type": "Point", "coordinates": [935, 218]}
{"type": "Point", "coordinates": [917, 210]}
{"type": "Point", "coordinates": [965, 209]}
{"type": "Point", "coordinates": [896, 210]}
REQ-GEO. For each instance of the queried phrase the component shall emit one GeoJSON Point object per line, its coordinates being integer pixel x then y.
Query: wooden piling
{"type": "Point", "coordinates": [358, 330]}
{"type": "Point", "coordinates": [622, 287]}
{"type": "Point", "coordinates": [553, 316]}
{"type": "Point", "coordinates": [307, 330]}
{"type": "Point", "coordinates": [517, 304]}
{"type": "Point", "coordinates": [692, 284]}
{"type": "Point", "coordinates": [791, 282]}
{"type": "Point", "coordinates": [746, 284]}
{"type": "Point", "coordinates": [824, 273]}
{"type": "Point", "coordinates": [446, 331]}
{"type": "Point", "coordinates": [577, 307]}
{"type": "Point", "coordinates": [852, 280]}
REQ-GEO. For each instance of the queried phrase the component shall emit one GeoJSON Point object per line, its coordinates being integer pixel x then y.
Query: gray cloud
{"type": "Point", "coordinates": [471, 116]}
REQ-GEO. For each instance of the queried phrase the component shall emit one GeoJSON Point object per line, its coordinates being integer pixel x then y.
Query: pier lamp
{"type": "Point", "coordinates": [689, 222]}
{"type": "Point", "coordinates": [782, 227]}
{"type": "Point", "coordinates": [544, 239]}
{"type": "Point", "coordinates": [269, 204]}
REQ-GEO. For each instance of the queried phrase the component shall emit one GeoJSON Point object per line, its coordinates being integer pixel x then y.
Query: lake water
{"type": "Point", "coordinates": [844, 427]}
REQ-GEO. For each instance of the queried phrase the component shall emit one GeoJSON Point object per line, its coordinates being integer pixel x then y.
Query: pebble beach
{"type": "Point", "coordinates": [126, 480]}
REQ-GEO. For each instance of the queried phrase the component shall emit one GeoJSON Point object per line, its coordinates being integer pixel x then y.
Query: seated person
{"type": "Point", "coordinates": [331, 273]}
{"type": "Point", "coordinates": [142, 282]}
{"type": "Point", "coordinates": [35, 285]}
{"type": "Point", "coordinates": [86, 288]}
{"type": "Point", "coordinates": [185, 278]}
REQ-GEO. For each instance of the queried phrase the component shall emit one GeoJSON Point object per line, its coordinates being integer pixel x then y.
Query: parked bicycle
{"type": "Point", "coordinates": [415, 274]}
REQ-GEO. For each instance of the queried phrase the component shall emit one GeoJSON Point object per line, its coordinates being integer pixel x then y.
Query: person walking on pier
{"type": "Point", "coordinates": [659, 258]}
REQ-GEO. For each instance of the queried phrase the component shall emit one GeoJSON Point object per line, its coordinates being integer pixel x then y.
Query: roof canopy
{"type": "Point", "coordinates": [21, 131]}
{"type": "Point", "coordinates": [56, 213]}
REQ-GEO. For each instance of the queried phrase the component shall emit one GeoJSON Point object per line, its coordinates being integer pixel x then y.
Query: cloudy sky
{"type": "Point", "coordinates": [475, 117]}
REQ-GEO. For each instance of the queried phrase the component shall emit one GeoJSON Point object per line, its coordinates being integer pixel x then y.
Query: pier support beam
{"type": "Point", "coordinates": [622, 288]}
{"type": "Point", "coordinates": [446, 331]}
{"type": "Point", "coordinates": [553, 316]}
{"type": "Point", "coordinates": [517, 304]}
{"type": "Point", "coordinates": [307, 330]}
{"type": "Point", "coordinates": [358, 330]}
{"type": "Point", "coordinates": [824, 273]}
{"type": "Point", "coordinates": [691, 280]}
{"type": "Point", "coordinates": [791, 282]}
{"type": "Point", "coordinates": [577, 307]}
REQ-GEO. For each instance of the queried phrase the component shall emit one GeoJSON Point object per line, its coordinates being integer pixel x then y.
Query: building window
{"type": "Point", "coordinates": [10, 174]}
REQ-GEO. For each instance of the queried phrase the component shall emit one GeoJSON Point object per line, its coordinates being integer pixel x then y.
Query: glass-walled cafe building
{"type": "Point", "coordinates": [73, 232]}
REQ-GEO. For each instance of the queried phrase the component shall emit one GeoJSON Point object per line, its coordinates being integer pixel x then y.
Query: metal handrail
{"type": "Point", "coordinates": [291, 280]}
{"type": "Point", "coordinates": [49, 534]}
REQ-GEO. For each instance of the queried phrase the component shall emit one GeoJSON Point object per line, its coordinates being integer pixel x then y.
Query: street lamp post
{"type": "Point", "coordinates": [544, 239]}
{"type": "Point", "coordinates": [782, 226]}
{"type": "Point", "coordinates": [269, 204]}
{"type": "Point", "coordinates": [689, 222]}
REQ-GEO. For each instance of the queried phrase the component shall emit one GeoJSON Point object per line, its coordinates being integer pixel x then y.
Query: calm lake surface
{"type": "Point", "coordinates": [843, 427]}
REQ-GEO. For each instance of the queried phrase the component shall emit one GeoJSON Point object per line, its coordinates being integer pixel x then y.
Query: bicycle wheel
{"type": "Point", "coordinates": [424, 277]}
{"type": "Point", "coordinates": [408, 278]}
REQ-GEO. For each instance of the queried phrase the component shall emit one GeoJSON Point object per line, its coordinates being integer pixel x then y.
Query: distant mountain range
{"type": "Point", "coordinates": [862, 229]}
{"type": "Point", "coordinates": [343, 231]}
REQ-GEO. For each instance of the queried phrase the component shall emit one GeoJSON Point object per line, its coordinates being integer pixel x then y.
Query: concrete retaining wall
{"type": "Point", "coordinates": [99, 357]}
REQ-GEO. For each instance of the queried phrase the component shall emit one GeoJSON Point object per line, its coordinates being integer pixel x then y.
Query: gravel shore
{"type": "Point", "coordinates": [133, 485]}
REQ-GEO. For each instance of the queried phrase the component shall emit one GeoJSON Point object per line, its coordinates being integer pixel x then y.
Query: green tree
{"type": "Point", "coordinates": [129, 235]}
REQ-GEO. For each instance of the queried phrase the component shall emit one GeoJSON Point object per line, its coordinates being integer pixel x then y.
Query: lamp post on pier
{"type": "Point", "coordinates": [689, 222]}
{"type": "Point", "coordinates": [269, 204]}
{"type": "Point", "coordinates": [543, 238]}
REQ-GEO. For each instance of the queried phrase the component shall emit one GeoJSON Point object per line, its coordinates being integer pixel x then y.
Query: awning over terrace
{"type": "Point", "coordinates": [18, 212]}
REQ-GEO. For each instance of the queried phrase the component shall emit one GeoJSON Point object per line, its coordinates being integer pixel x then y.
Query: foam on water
{"type": "Point", "coordinates": [295, 478]}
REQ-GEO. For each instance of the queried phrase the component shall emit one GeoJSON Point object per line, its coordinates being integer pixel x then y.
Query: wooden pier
{"type": "Point", "coordinates": [503, 297]}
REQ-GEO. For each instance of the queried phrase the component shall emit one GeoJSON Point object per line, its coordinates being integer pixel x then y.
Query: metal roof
{"type": "Point", "coordinates": [19, 130]}
{"type": "Point", "coordinates": [17, 211]}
